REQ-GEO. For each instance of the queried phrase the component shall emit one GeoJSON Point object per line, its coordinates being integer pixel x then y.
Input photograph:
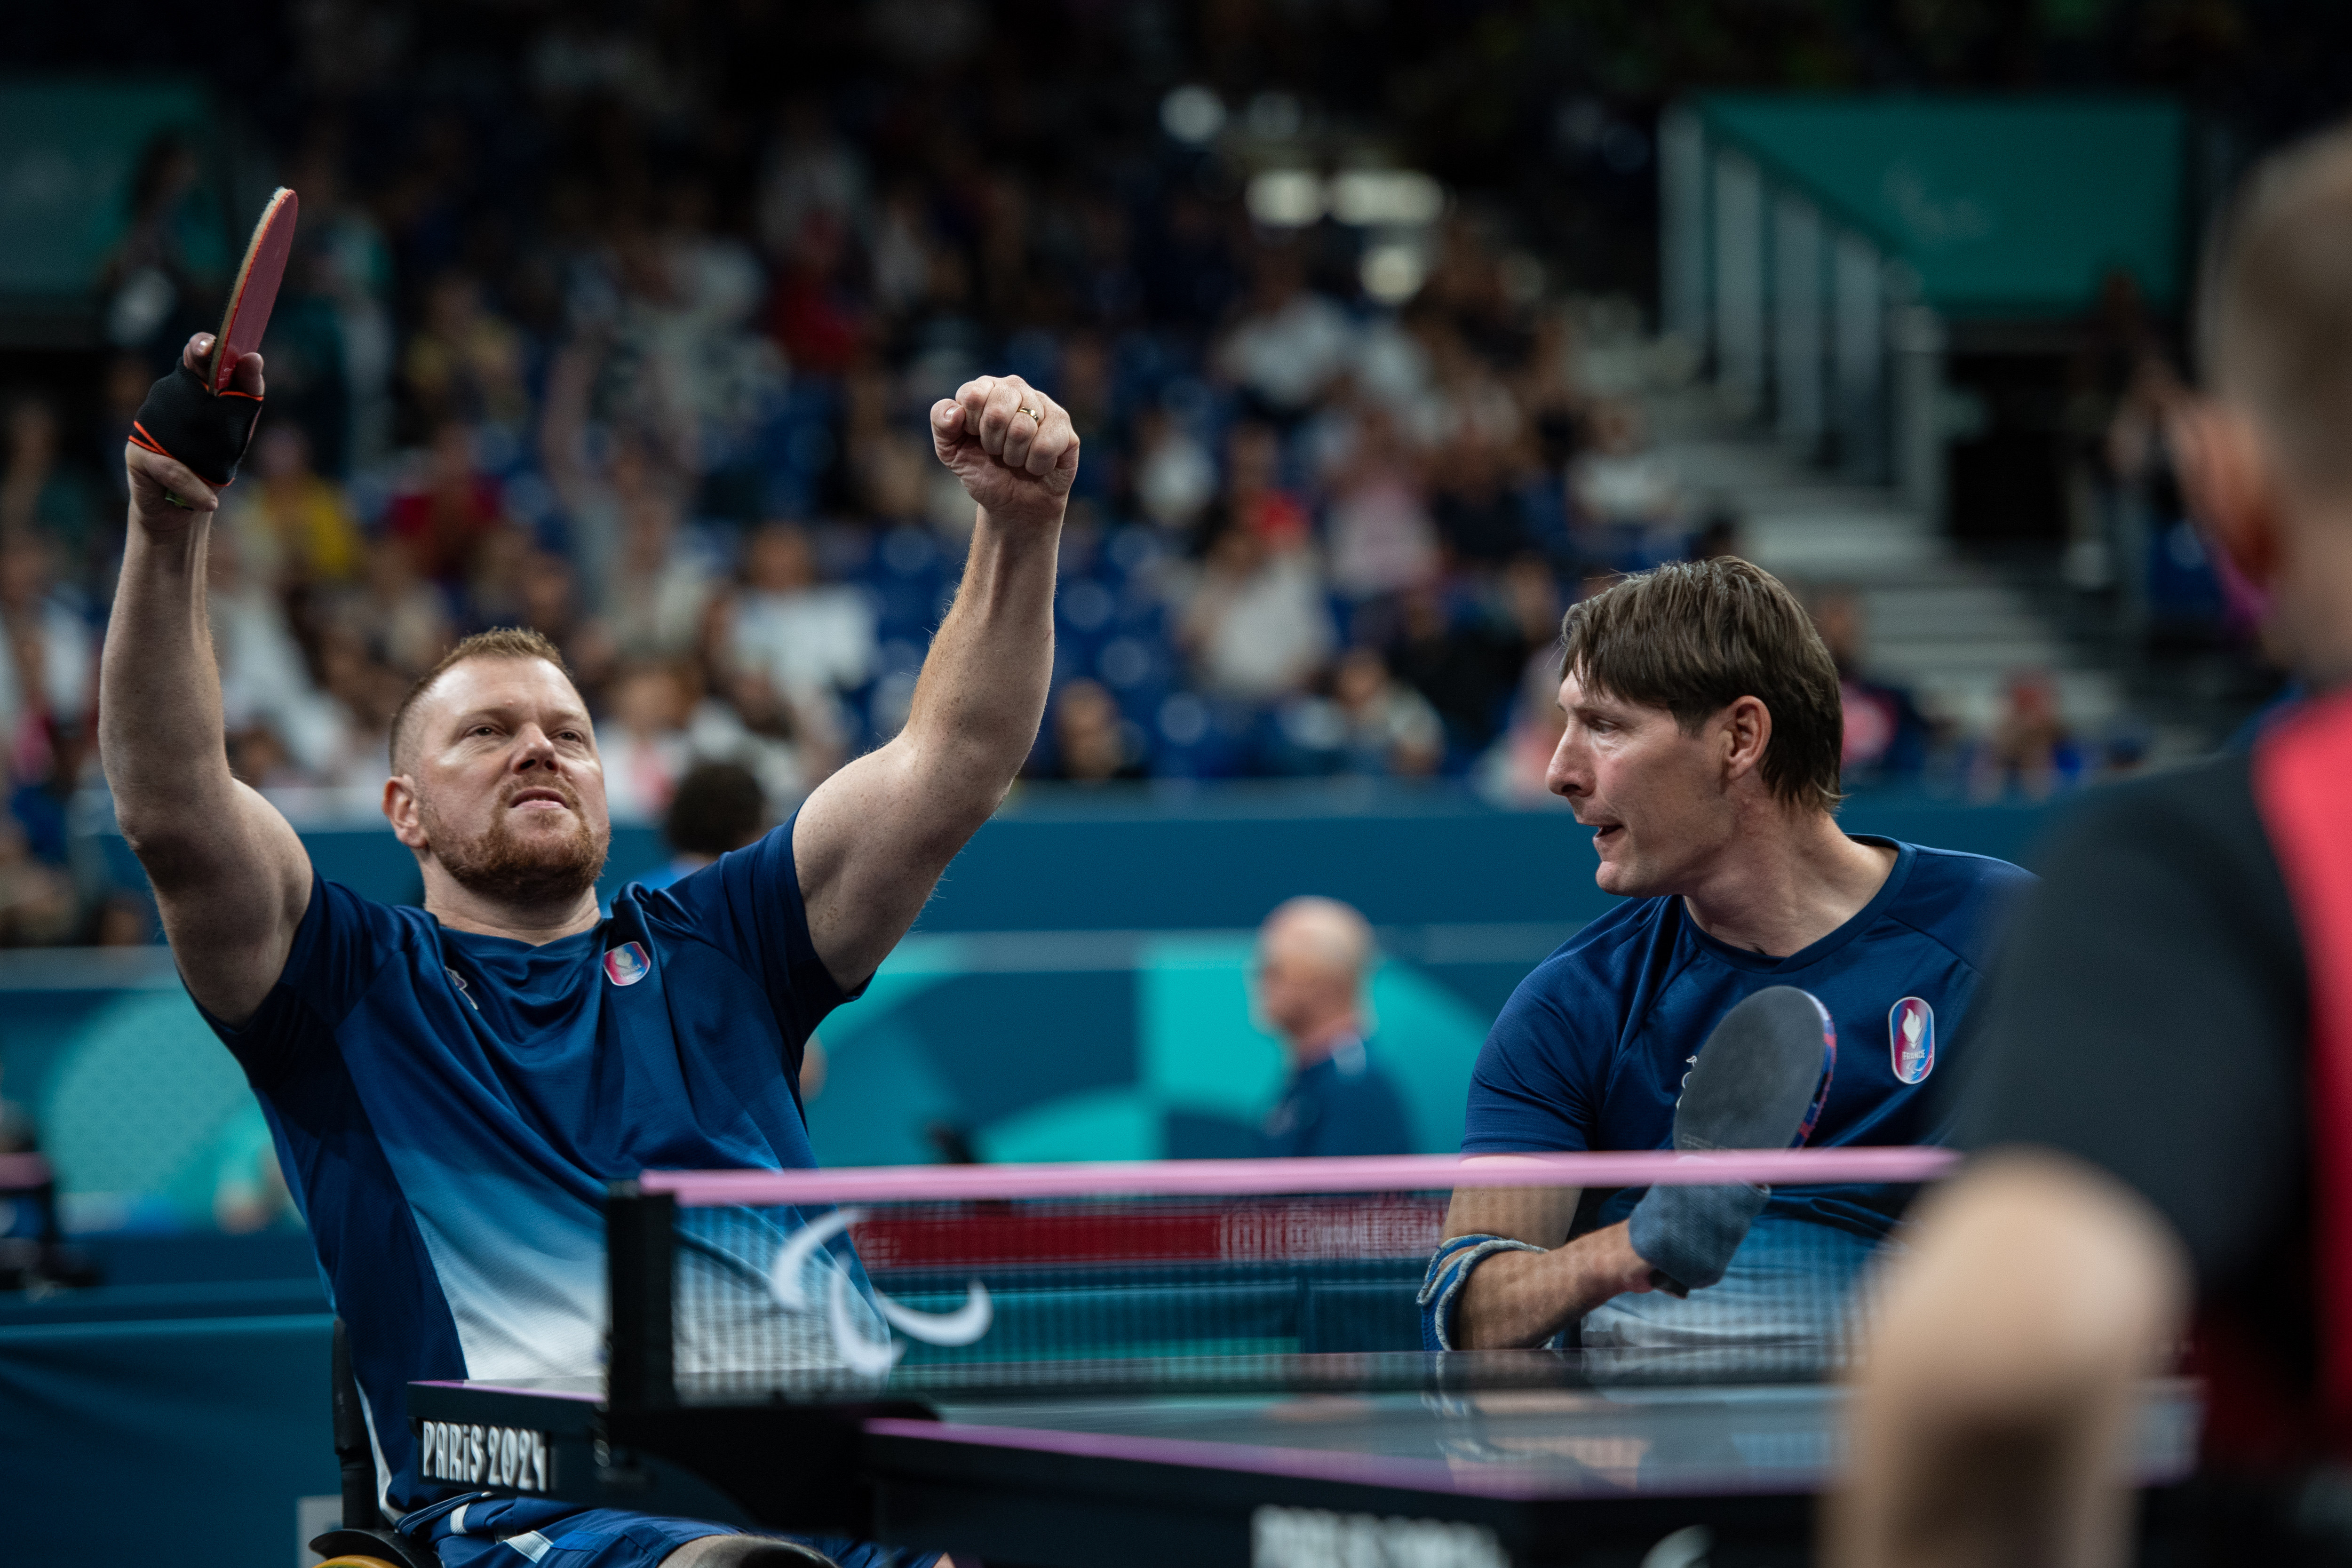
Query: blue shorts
{"type": "Point", "coordinates": [509, 1533]}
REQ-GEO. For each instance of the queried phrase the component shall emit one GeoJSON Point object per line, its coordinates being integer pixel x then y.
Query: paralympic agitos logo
{"type": "Point", "coordinates": [787, 1281]}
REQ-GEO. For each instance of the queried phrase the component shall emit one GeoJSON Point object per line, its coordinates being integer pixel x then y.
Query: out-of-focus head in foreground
{"type": "Point", "coordinates": [2266, 455]}
{"type": "Point", "coordinates": [2158, 1090]}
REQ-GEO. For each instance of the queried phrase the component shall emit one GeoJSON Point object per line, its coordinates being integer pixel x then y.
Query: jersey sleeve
{"type": "Point", "coordinates": [342, 943]}
{"type": "Point", "coordinates": [2149, 1012]}
{"type": "Point", "coordinates": [1534, 1089]}
{"type": "Point", "coordinates": [747, 903]}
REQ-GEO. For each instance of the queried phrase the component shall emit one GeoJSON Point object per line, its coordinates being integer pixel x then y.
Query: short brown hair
{"type": "Point", "coordinates": [718, 806]}
{"type": "Point", "coordinates": [498, 642]}
{"type": "Point", "coordinates": [1694, 637]}
{"type": "Point", "coordinates": [2276, 318]}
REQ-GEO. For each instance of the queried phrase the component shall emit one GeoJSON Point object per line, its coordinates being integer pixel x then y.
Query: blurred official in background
{"type": "Point", "coordinates": [1313, 958]}
{"type": "Point", "coordinates": [2163, 1092]}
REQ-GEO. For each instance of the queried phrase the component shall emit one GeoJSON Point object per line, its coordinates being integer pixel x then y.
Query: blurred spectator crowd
{"type": "Point", "coordinates": [659, 391]}
{"type": "Point", "coordinates": [593, 329]}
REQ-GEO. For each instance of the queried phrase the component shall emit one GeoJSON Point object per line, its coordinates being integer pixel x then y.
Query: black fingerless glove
{"type": "Point", "coordinates": [185, 419]}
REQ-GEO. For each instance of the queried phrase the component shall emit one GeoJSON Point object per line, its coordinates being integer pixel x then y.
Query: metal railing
{"type": "Point", "coordinates": [1809, 326]}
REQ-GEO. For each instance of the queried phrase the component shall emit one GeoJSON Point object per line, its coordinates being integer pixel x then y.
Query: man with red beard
{"type": "Point", "coordinates": [451, 1087]}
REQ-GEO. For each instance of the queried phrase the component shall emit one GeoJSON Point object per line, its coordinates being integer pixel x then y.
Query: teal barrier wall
{"type": "Point", "coordinates": [188, 1442]}
{"type": "Point", "coordinates": [1056, 1040]}
{"type": "Point", "coordinates": [1130, 1045]}
{"type": "Point", "coordinates": [1078, 989]}
{"type": "Point", "coordinates": [1054, 859]}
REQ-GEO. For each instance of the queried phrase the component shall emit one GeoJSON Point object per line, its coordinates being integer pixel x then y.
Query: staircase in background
{"type": "Point", "coordinates": [1950, 626]}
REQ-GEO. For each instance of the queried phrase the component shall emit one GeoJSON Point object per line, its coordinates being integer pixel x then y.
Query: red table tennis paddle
{"type": "Point", "coordinates": [249, 303]}
{"type": "Point", "coordinates": [193, 414]}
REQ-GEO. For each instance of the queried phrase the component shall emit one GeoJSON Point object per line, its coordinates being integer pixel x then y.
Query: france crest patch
{"type": "Point", "coordinates": [1911, 1036]}
{"type": "Point", "coordinates": [627, 963]}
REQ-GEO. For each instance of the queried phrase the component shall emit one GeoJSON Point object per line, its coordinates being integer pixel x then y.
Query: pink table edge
{"type": "Point", "coordinates": [1237, 1178]}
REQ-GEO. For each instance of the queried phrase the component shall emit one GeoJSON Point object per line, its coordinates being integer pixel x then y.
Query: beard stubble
{"type": "Point", "coordinates": [501, 864]}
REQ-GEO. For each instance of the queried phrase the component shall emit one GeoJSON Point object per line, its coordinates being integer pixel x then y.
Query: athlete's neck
{"type": "Point", "coordinates": [2309, 626]}
{"type": "Point", "coordinates": [461, 909]}
{"type": "Point", "coordinates": [1782, 888]}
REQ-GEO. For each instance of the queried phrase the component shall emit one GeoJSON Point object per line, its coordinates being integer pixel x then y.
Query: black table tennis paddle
{"type": "Point", "coordinates": [1760, 1082]}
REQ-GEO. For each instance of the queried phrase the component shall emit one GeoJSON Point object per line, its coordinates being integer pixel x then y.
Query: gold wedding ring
{"type": "Point", "coordinates": [1035, 417]}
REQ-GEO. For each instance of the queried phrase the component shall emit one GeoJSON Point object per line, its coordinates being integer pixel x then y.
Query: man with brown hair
{"type": "Point", "coordinates": [1701, 747]}
{"type": "Point", "coordinates": [2162, 1094]}
{"type": "Point", "coordinates": [451, 1087]}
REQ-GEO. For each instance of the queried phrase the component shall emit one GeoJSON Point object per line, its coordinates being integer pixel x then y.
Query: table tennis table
{"type": "Point", "coordinates": [1198, 1363]}
{"type": "Point", "coordinates": [1572, 1465]}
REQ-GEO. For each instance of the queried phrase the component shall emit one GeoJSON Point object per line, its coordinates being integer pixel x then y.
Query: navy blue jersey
{"type": "Point", "coordinates": [1591, 1050]}
{"type": "Point", "coordinates": [449, 1107]}
{"type": "Point", "coordinates": [1339, 1105]}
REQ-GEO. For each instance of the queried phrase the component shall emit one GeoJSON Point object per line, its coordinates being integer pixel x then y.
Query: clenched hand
{"type": "Point", "coordinates": [1010, 445]}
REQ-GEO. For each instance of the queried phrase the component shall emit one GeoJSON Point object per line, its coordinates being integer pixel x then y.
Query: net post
{"type": "Point", "coordinates": [640, 1251]}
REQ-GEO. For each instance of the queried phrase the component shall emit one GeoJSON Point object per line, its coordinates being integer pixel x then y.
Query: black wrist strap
{"type": "Point", "coordinates": [185, 419]}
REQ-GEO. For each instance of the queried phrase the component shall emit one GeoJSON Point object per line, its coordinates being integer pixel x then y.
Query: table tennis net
{"type": "Point", "coordinates": [991, 1281]}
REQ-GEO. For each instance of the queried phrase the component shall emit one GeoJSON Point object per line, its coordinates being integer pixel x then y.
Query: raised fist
{"type": "Point", "coordinates": [1010, 445]}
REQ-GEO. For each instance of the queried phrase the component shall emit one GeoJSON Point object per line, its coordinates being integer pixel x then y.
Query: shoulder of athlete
{"type": "Point", "coordinates": [335, 904]}
{"type": "Point", "coordinates": [1602, 941]}
{"type": "Point", "coordinates": [1935, 870]}
{"type": "Point", "coordinates": [1960, 900]}
{"type": "Point", "coordinates": [1590, 976]}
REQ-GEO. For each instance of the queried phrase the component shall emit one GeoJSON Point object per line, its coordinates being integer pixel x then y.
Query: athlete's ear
{"type": "Point", "coordinates": [1746, 729]}
{"type": "Point", "coordinates": [400, 810]}
{"type": "Point", "coordinates": [2227, 476]}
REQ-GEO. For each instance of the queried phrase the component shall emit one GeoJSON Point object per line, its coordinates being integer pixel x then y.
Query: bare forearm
{"type": "Point", "coordinates": [870, 843]}
{"type": "Point", "coordinates": [982, 692]}
{"type": "Point", "coordinates": [230, 877]}
{"type": "Point", "coordinates": [1519, 1298]}
{"type": "Point", "coordinates": [160, 729]}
